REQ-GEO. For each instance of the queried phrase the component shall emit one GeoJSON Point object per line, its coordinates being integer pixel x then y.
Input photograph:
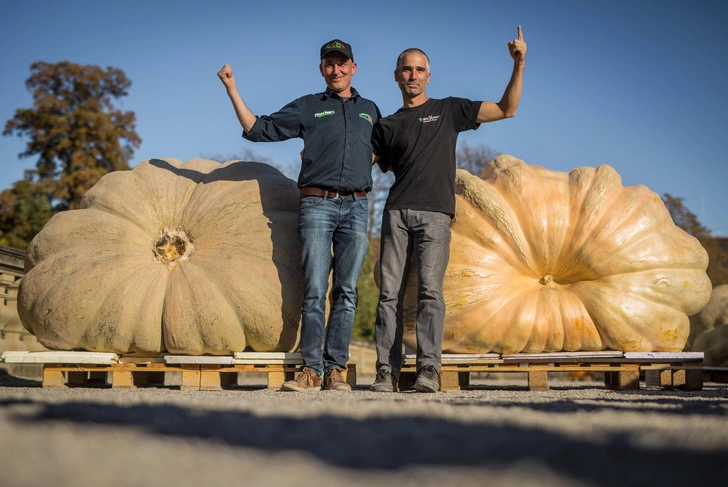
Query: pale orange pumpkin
{"type": "Point", "coordinates": [546, 261]}
{"type": "Point", "coordinates": [196, 257]}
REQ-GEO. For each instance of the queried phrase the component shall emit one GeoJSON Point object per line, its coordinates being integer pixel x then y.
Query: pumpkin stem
{"type": "Point", "coordinates": [173, 246]}
{"type": "Point", "coordinates": [547, 280]}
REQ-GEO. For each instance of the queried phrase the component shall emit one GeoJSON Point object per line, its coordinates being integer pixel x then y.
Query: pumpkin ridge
{"type": "Point", "coordinates": [628, 321]}
{"type": "Point", "coordinates": [48, 263]}
{"type": "Point", "coordinates": [543, 202]}
{"type": "Point", "coordinates": [485, 333]}
{"type": "Point", "coordinates": [465, 246]}
{"type": "Point", "coordinates": [254, 322]}
{"type": "Point", "coordinates": [605, 234]}
{"type": "Point", "coordinates": [605, 183]}
{"type": "Point", "coordinates": [50, 303]}
{"type": "Point", "coordinates": [471, 240]}
{"type": "Point", "coordinates": [199, 317]}
{"type": "Point", "coordinates": [90, 226]}
{"type": "Point", "coordinates": [492, 205]}
{"type": "Point", "coordinates": [145, 288]}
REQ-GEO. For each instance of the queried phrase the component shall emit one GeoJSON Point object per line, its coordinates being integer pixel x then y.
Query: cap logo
{"type": "Point", "coordinates": [334, 45]}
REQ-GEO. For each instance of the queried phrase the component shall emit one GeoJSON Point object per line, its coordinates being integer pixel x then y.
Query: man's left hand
{"type": "Point", "coordinates": [517, 47]}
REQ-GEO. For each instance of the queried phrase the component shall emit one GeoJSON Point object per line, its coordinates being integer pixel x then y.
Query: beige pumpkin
{"type": "Point", "coordinates": [196, 257]}
{"type": "Point", "coordinates": [714, 345]}
{"type": "Point", "coordinates": [545, 261]}
{"type": "Point", "coordinates": [714, 314]}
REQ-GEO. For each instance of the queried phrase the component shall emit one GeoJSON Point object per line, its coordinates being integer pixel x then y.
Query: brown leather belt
{"type": "Point", "coordinates": [330, 193]}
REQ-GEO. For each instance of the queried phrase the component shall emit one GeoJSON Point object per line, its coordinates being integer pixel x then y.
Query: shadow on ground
{"type": "Point", "coordinates": [392, 443]}
{"type": "Point", "coordinates": [8, 380]}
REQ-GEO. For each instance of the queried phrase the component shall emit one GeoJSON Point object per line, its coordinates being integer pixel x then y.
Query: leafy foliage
{"type": "Point", "coordinates": [368, 295]}
{"type": "Point", "coordinates": [24, 209]}
{"type": "Point", "coordinates": [685, 219]}
{"type": "Point", "coordinates": [78, 136]}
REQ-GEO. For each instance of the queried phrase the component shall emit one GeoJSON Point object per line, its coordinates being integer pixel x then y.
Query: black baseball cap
{"type": "Point", "coordinates": [337, 46]}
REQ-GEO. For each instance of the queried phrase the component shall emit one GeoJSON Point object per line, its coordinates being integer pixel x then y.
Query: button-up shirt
{"type": "Point", "coordinates": [336, 133]}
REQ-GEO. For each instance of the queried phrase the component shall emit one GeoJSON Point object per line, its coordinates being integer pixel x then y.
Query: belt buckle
{"type": "Point", "coordinates": [327, 193]}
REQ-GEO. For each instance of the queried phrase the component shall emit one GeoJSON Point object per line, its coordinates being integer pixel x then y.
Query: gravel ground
{"type": "Point", "coordinates": [499, 434]}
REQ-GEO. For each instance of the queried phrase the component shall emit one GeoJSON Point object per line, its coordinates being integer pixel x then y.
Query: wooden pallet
{"type": "Point", "coordinates": [716, 374]}
{"type": "Point", "coordinates": [622, 370]}
{"type": "Point", "coordinates": [205, 373]}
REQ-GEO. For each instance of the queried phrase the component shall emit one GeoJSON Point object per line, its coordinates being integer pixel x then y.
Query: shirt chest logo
{"type": "Point", "coordinates": [429, 118]}
{"type": "Point", "coordinates": [325, 113]}
{"type": "Point", "coordinates": [367, 117]}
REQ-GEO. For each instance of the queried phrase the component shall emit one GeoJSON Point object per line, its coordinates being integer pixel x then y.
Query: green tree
{"type": "Point", "coordinates": [74, 128]}
{"type": "Point", "coordinates": [77, 134]}
{"type": "Point", "coordinates": [685, 219]}
{"type": "Point", "coordinates": [24, 209]}
{"type": "Point", "coordinates": [368, 295]}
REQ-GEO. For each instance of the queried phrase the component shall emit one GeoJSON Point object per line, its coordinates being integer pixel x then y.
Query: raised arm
{"type": "Point", "coordinates": [506, 107]}
{"type": "Point", "coordinates": [245, 116]}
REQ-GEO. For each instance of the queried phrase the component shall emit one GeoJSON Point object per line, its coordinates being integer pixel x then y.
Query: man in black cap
{"type": "Point", "coordinates": [336, 128]}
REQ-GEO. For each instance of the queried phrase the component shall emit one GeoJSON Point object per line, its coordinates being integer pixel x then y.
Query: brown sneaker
{"type": "Point", "coordinates": [333, 379]}
{"type": "Point", "coordinates": [306, 380]}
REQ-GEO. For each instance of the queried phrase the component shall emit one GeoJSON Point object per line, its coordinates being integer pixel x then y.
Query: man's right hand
{"type": "Point", "coordinates": [226, 76]}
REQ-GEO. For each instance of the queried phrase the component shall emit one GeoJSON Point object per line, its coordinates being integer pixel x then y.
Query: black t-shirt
{"type": "Point", "coordinates": [418, 144]}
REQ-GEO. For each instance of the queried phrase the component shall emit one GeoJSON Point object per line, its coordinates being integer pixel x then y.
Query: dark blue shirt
{"type": "Point", "coordinates": [336, 134]}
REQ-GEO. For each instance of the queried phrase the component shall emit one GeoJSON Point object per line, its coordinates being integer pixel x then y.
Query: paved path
{"type": "Point", "coordinates": [499, 435]}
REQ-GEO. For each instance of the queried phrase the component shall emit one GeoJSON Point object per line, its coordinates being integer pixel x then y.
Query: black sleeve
{"type": "Point", "coordinates": [379, 146]}
{"type": "Point", "coordinates": [465, 113]}
{"type": "Point", "coordinates": [282, 125]}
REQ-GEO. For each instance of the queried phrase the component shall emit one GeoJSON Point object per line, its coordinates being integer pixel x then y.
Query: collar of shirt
{"type": "Point", "coordinates": [331, 94]}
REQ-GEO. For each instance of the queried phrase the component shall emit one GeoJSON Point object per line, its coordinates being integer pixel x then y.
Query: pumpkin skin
{"type": "Point", "coordinates": [189, 258]}
{"type": "Point", "coordinates": [714, 314]}
{"type": "Point", "coordinates": [714, 344]}
{"type": "Point", "coordinates": [709, 329]}
{"type": "Point", "coordinates": [546, 261]}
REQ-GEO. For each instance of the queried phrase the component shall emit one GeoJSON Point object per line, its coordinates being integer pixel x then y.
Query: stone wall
{"type": "Point", "coordinates": [13, 336]}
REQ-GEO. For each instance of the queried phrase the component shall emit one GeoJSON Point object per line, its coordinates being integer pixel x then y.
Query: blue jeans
{"type": "Point", "coordinates": [326, 224]}
{"type": "Point", "coordinates": [426, 234]}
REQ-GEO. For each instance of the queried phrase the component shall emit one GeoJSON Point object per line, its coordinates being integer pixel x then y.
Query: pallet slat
{"type": "Point", "coordinates": [195, 376]}
{"type": "Point", "coordinates": [621, 370]}
{"type": "Point", "coordinates": [59, 357]}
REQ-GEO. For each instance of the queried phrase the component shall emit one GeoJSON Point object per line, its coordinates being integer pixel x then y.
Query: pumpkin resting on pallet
{"type": "Point", "coordinates": [196, 257]}
{"type": "Point", "coordinates": [545, 261]}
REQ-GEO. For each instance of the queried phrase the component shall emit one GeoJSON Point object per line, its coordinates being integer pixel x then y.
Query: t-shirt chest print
{"type": "Point", "coordinates": [429, 118]}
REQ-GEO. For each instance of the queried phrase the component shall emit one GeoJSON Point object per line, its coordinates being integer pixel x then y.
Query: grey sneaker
{"type": "Point", "coordinates": [385, 381]}
{"type": "Point", "coordinates": [428, 379]}
{"type": "Point", "coordinates": [306, 380]}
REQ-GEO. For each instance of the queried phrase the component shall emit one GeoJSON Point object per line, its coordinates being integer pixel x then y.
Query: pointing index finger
{"type": "Point", "coordinates": [520, 33]}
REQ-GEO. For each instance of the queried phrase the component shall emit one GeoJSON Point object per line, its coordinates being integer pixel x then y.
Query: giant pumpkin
{"type": "Point", "coordinates": [545, 261]}
{"type": "Point", "coordinates": [195, 257]}
{"type": "Point", "coordinates": [714, 314]}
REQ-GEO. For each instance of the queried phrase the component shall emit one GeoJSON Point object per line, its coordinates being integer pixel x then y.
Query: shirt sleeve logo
{"type": "Point", "coordinates": [367, 117]}
{"type": "Point", "coordinates": [325, 113]}
{"type": "Point", "coordinates": [429, 118]}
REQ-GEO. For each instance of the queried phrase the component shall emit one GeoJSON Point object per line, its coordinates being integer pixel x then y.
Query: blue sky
{"type": "Point", "coordinates": [639, 85]}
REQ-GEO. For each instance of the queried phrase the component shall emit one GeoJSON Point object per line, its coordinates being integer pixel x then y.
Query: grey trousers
{"type": "Point", "coordinates": [427, 235]}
